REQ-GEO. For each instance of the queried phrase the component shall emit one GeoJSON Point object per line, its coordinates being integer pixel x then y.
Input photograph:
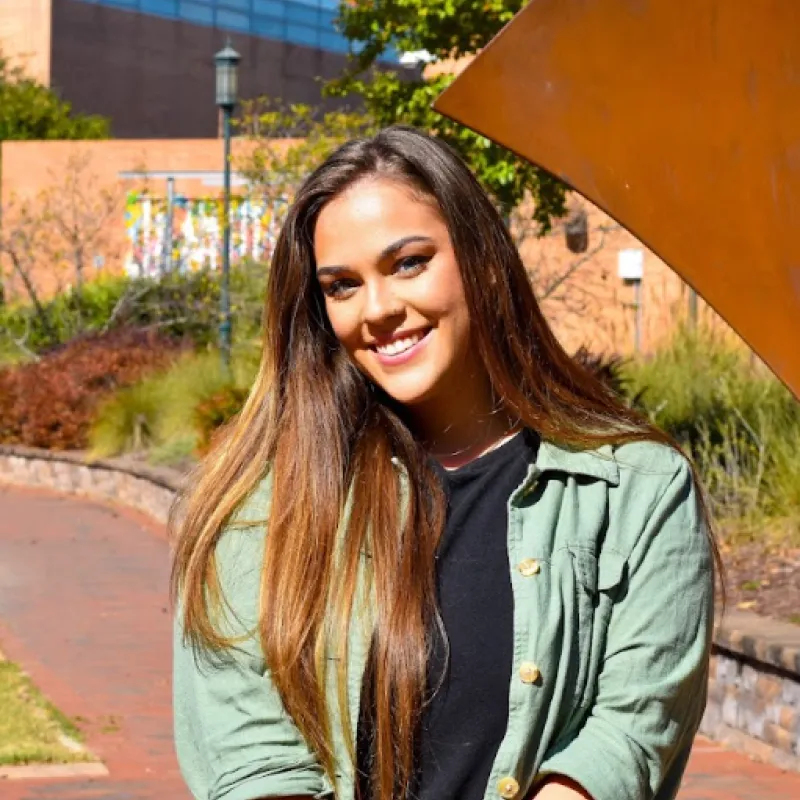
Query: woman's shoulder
{"type": "Point", "coordinates": [642, 460]}
{"type": "Point", "coordinates": [657, 489]}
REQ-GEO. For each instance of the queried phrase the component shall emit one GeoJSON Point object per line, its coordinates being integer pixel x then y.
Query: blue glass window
{"type": "Point", "coordinates": [167, 8]}
{"type": "Point", "coordinates": [304, 22]}
{"type": "Point", "coordinates": [232, 20]}
{"type": "Point", "coordinates": [273, 28]}
{"type": "Point", "coordinates": [334, 42]}
{"type": "Point", "coordinates": [272, 8]}
{"type": "Point", "coordinates": [195, 12]}
{"type": "Point", "coordinates": [326, 19]}
{"type": "Point", "coordinates": [297, 13]}
{"type": "Point", "coordinates": [302, 34]}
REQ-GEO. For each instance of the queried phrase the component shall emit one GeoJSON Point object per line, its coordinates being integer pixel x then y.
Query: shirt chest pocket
{"type": "Point", "coordinates": [598, 581]}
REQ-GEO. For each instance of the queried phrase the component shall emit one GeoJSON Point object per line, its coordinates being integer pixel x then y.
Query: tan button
{"type": "Point", "coordinates": [508, 788]}
{"type": "Point", "coordinates": [529, 672]}
{"type": "Point", "coordinates": [529, 567]}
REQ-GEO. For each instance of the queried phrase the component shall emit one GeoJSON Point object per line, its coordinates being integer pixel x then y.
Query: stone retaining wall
{"type": "Point", "coordinates": [754, 690]}
{"type": "Point", "coordinates": [147, 489]}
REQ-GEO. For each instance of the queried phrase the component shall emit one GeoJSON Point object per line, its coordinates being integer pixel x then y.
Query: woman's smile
{"type": "Point", "coordinates": [402, 347]}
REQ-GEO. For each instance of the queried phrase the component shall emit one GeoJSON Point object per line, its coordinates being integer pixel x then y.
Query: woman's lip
{"type": "Point", "coordinates": [401, 335]}
{"type": "Point", "coordinates": [406, 355]}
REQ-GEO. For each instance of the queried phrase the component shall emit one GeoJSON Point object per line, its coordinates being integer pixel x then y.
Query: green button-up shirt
{"type": "Point", "coordinates": [612, 579]}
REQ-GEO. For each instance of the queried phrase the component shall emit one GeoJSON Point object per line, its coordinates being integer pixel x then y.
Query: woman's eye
{"type": "Point", "coordinates": [412, 264]}
{"type": "Point", "coordinates": [338, 289]}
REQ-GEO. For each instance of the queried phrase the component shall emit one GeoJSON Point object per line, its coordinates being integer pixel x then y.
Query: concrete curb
{"type": "Point", "coordinates": [41, 771]}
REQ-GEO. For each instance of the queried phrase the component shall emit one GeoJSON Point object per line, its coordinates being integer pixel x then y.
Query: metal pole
{"type": "Point", "coordinates": [637, 341]}
{"type": "Point", "coordinates": [225, 300]}
{"type": "Point", "coordinates": [166, 261]}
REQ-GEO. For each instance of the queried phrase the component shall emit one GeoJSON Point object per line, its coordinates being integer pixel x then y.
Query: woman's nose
{"type": "Point", "coordinates": [381, 303]}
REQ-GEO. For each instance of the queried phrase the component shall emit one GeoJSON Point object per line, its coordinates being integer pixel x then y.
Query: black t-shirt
{"type": "Point", "coordinates": [467, 714]}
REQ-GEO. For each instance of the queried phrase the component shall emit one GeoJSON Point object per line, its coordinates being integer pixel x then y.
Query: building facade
{"type": "Point", "coordinates": [148, 64]}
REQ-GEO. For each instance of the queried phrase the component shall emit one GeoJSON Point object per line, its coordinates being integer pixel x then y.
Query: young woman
{"type": "Point", "coordinates": [433, 558]}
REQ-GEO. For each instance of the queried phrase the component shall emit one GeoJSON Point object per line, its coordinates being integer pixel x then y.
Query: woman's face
{"type": "Point", "coordinates": [393, 291]}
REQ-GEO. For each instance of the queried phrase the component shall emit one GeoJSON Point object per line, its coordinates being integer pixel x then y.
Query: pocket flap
{"type": "Point", "coordinates": [611, 569]}
{"type": "Point", "coordinates": [598, 574]}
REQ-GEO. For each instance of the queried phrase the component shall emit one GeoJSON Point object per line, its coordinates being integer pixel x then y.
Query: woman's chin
{"type": "Point", "coordinates": [409, 394]}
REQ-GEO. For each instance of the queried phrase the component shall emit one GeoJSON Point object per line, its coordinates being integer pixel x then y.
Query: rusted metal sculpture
{"type": "Point", "coordinates": [681, 121]}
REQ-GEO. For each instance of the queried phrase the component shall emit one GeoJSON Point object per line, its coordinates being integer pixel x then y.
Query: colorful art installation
{"type": "Point", "coordinates": [188, 236]}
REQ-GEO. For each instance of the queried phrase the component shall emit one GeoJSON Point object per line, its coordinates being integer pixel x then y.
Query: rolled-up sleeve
{"type": "Point", "coordinates": [233, 737]}
{"type": "Point", "coordinates": [652, 684]}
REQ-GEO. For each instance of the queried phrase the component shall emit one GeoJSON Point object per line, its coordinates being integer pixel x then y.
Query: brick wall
{"type": "Point", "coordinates": [154, 77]}
{"type": "Point", "coordinates": [29, 168]}
{"type": "Point", "coordinates": [25, 36]}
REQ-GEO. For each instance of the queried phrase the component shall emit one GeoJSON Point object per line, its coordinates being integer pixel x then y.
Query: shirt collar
{"type": "Point", "coordinates": [598, 463]}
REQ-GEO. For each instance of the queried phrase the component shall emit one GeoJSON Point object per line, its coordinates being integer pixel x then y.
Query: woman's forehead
{"type": "Point", "coordinates": [381, 200]}
{"type": "Point", "coordinates": [372, 215]}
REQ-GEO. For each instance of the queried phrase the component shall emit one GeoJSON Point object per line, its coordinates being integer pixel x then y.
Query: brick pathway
{"type": "Point", "coordinates": [83, 608]}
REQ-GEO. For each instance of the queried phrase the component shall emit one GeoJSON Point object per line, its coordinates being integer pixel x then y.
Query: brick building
{"type": "Point", "coordinates": [148, 64]}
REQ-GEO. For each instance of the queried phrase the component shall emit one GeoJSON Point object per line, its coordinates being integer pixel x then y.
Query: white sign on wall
{"type": "Point", "coordinates": [630, 264]}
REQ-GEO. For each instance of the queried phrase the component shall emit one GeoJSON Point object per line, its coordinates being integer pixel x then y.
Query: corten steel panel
{"type": "Point", "coordinates": [681, 121]}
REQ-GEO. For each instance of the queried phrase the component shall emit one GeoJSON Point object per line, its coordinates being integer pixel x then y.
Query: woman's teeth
{"type": "Point", "coordinates": [399, 345]}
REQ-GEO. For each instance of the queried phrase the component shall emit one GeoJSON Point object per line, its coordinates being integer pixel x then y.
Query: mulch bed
{"type": "Point", "coordinates": [764, 580]}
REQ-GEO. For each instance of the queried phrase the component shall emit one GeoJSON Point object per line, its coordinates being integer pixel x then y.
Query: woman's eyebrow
{"type": "Point", "coordinates": [393, 248]}
{"type": "Point", "coordinates": [387, 252]}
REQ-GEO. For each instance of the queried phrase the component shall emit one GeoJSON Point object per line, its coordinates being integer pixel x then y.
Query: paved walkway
{"type": "Point", "coordinates": [83, 607]}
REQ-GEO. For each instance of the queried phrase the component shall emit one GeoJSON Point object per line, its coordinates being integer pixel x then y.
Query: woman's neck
{"type": "Point", "coordinates": [457, 433]}
{"type": "Point", "coordinates": [459, 458]}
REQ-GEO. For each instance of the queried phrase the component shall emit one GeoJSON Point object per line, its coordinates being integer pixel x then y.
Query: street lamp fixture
{"type": "Point", "coordinates": [226, 63]}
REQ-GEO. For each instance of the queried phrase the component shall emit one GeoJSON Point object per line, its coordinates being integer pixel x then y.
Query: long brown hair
{"type": "Point", "coordinates": [328, 436]}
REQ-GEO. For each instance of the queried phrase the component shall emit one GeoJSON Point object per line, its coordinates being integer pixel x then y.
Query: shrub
{"type": "Point", "coordinates": [65, 316]}
{"type": "Point", "coordinates": [215, 412]}
{"type": "Point", "coordinates": [186, 305]}
{"type": "Point", "coordinates": [182, 306]}
{"type": "Point", "coordinates": [159, 412]}
{"type": "Point", "coordinates": [739, 423]}
{"type": "Point", "coordinates": [50, 403]}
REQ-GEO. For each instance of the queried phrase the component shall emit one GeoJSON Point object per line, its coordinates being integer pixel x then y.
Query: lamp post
{"type": "Point", "coordinates": [226, 63]}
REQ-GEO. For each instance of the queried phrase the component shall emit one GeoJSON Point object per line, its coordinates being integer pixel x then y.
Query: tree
{"type": "Point", "coordinates": [29, 110]}
{"type": "Point", "coordinates": [80, 213]}
{"type": "Point", "coordinates": [447, 30]}
{"type": "Point", "coordinates": [57, 233]}
{"type": "Point", "coordinates": [284, 143]}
